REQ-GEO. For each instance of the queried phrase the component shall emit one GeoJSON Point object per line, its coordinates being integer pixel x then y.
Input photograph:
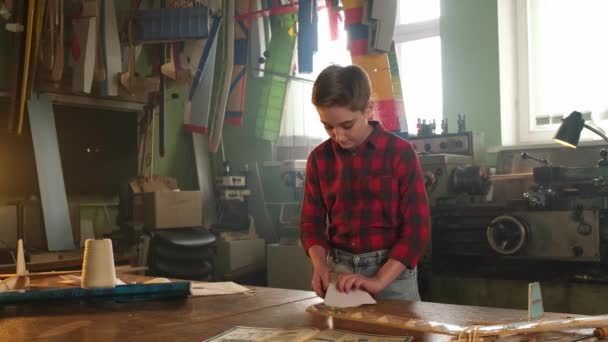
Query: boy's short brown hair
{"type": "Point", "coordinates": [339, 86]}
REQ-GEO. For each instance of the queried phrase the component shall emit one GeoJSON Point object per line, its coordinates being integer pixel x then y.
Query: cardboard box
{"type": "Point", "coordinates": [32, 224]}
{"type": "Point", "coordinates": [288, 267]}
{"type": "Point", "coordinates": [168, 209]}
{"type": "Point", "coordinates": [154, 183]}
{"type": "Point", "coordinates": [237, 254]}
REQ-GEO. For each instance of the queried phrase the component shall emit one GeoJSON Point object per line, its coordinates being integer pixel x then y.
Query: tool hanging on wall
{"type": "Point", "coordinates": [161, 108]}
{"type": "Point", "coordinates": [5, 9]}
{"type": "Point", "coordinates": [59, 48]}
{"type": "Point", "coordinates": [29, 34]}
{"type": "Point", "coordinates": [16, 71]}
{"type": "Point", "coordinates": [38, 24]}
{"type": "Point", "coordinates": [47, 56]}
{"type": "Point", "coordinates": [197, 108]}
{"type": "Point", "coordinates": [220, 109]}
{"type": "Point", "coordinates": [236, 96]}
{"type": "Point", "coordinates": [133, 83]}
{"type": "Point", "coordinates": [111, 58]}
{"type": "Point", "coordinates": [99, 73]}
{"type": "Point", "coordinates": [146, 142]}
{"type": "Point", "coordinates": [161, 93]}
{"type": "Point", "coordinates": [173, 68]}
{"type": "Point", "coordinates": [257, 41]}
{"type": "Point", "coordinates": [126, 79]}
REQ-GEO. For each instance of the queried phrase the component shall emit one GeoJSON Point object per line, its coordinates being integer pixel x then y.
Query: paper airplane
{"type": "Point", "coordinates": [354, 298]}
{"type": "Point", "coordinates": [20, 280]}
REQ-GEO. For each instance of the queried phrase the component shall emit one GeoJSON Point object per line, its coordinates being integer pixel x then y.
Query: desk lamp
{"type": "Point", "coordinates": [569, 134]}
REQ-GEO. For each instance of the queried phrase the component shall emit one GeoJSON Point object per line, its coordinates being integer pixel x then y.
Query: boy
{"type": "Point", "coordinates": [365, 205]}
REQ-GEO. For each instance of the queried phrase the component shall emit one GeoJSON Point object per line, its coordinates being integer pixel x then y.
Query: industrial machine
{"type": "Point", "coordinates": [233, 209]}
{"type": "Point", "coordinates": [450, 166]}
{"type": "Point", "coordinates": [449, 175]}
{"type": "Point", "coordinates": [553, 223]}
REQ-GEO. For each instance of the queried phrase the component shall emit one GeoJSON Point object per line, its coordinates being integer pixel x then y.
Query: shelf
{"type": "Point", "coordinates": [95, 102]}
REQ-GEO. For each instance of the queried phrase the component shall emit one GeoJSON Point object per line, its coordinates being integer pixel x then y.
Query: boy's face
{"type": "Point", "coordinates": [346, 127]}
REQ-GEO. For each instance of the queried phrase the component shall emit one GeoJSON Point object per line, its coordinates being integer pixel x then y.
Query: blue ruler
{"type": "Point", "coordinates": [131, 292]}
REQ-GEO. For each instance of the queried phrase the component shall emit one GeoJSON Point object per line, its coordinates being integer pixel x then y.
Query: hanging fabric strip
{"type": "Point", "coordinates": [307, 35]}
{"type": "Point", "coordinates": [361, 31]}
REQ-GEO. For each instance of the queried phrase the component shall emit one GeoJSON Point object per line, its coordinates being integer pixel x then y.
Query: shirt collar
{"type": "Point", "coordinates": [372, 138]}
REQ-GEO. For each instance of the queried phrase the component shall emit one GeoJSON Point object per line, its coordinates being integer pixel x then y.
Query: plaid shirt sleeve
{"type": "Point", "coordinates": [313, 227]}
{"type": "Point", "coordinates": [415, 229]}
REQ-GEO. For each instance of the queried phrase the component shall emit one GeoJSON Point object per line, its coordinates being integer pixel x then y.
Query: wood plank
{"type": "Point", "coordinates": [82, 78]}
{"type": "Point", "coordinates": [50, 175]}
{"type": "Point", "coordinates": [202, 317]}
{"type": "Point", "coordinates": [136, 321]}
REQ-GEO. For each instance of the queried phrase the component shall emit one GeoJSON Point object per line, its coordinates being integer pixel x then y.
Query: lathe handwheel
{"type": "Point", "coordinates": [507, 235]}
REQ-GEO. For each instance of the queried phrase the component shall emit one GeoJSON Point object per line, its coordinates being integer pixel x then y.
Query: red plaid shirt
{"type": "Point", "coordinates": [367, 200]}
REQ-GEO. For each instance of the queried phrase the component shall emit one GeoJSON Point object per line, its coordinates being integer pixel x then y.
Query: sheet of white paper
{"type": "Point", "coordinates": [219, 288]}
{"type": "Point", "coordinates": [351, 299]}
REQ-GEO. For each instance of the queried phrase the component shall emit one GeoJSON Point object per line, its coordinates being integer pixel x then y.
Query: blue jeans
{"type": "Point", "coordinates": [404, 287]}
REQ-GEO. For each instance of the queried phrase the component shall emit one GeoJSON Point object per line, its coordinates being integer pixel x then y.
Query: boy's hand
{"type": "Point", "coordinates": [320, 280]}
{"type": "Point", "coordinates": [354, 281]}
{"type": "Point", "coordinates": [320, 275]}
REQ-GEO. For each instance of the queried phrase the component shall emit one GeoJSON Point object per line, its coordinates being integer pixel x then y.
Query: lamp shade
{"type": "Point", "coordinates": [569, 132]}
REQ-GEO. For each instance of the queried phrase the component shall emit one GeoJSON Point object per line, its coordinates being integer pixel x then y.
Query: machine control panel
{"type": "Point", "coordinates": [466, 143]}
{"type": "Point", "coordinates": [447, 143]}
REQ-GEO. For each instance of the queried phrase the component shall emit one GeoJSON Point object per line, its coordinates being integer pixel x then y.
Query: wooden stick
{"type": "Point", "coordinates": [31, 6]}
{"type": "Point", "coordinates": [38, 24]}
{"type": "Point", "coordinates": [502, 330]}
{"type": "Point", "coordinates": [13, 113]}
{"type": "Point", "coordinates": [119, 270]}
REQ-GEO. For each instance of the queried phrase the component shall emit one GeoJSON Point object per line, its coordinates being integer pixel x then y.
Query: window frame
{"type": "Point", "coordinates": [409, 32]}
{"type": "Point", "coordinates": [515, 79]}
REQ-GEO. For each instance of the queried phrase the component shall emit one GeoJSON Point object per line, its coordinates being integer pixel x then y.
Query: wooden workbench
{"type": "Point", "coordinates": [197, 318]}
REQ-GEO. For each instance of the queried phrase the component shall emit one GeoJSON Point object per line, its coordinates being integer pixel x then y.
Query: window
{"type": "Point", "coordinates": [418, 47]}
{"type": "Point", "coordinates": [553, 61]}
{"type": "Point", "coordinates": [301, 128]}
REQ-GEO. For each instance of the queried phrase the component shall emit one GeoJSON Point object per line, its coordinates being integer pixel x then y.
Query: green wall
{"type": "Point", "coordinates": [178, 160]}
{"type": "Point", "coordinates": [240, 143]}
{"type": "Point", "coordinates": [469, 44]}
